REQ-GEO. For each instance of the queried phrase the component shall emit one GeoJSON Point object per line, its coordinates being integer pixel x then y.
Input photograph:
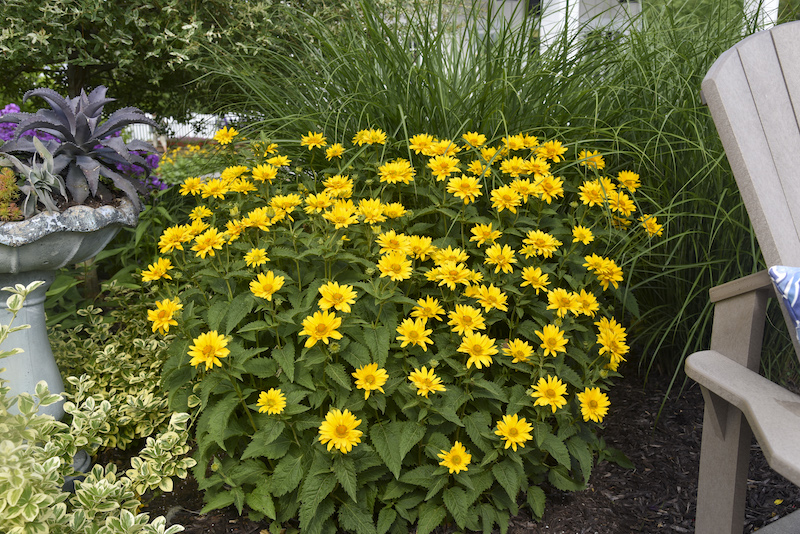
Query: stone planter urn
{"type": "Point", "coordinates": [34, 249]}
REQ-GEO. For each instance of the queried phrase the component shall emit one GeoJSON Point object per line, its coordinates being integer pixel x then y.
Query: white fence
{"type": "Point", "coordinates": [200, 125]}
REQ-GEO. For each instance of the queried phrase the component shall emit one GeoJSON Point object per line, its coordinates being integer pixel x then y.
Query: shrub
{"type": "Point", "coordinates": [430, 333]}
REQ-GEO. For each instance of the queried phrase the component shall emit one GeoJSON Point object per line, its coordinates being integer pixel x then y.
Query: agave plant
{"type": "Point", "coordinates": [39, 180]}
{"type": "Point", "coordinates": [86, 148]}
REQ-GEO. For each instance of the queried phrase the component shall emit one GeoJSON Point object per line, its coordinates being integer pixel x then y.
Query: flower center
{"type": "Point", "coordinates": [321, 328]}
{"type": "Point", "coordinates": [550, 393]}
{"type": "Point", "coordinates": [593, 404]}
{"type": "Point", "coordinates": [512, 432]}
{"type": "Point", "coordinates": [341, 431]}
{"type": "Point", "coordinates": [369, 379]}
{"type": "Point", "coordinates": [456, 459]}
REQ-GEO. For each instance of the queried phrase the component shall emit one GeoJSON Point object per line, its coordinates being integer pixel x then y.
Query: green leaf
{"type": "Point", "coordinates": [238, 309]}
{"type": "Point", "coordinates": [254, 326]}
{"type": "Point", "coordinates": [392, 441]}
{"type": "Point", "coordinates": [419, 476]}
{"type": "Point", "coordinates": [337, 372]}
{"type": "Point", "coordinates": [580, 450]}
{"type": "Point", "coordinates": [314, 490]}
{"type": "Point", "coordinates": [217, 502]}
{"type": "Point", "coordinates": [557, 450]}
{"type": "Point", "coordinates": [356, 355]}
{"type": "Point", "coordinates": [492, 389]}
{"type": "Point", "coordinates": [354, 518]}
{"type": "Point", "coordinates": [475, 424]}
{"type": "Point", "coordinates": [536, 500]}
{"type": "Point", "coordinates": [219, 415]}
{"type": "Point", "coordinates": [447, 411]}
{"type": "Point", "coordinates": [261, 501]}
{"type": "Point", "coordinates": [386, 518]}
{"type": "Point", "coordinates": [456, 501]}
{"type": "Point", "coordinates": [488, 517]}
{"type": "Point", "coordinates": [258, 445]}
{"type": "Point", "coordinates": [430, 517]}
{"type": "Point", "coordinates": [438, 484]}
{"type": "Point", "coordinates": [216, 312]}
{"type": "Point", "coordinates": [378, 340]}
{"type": "Point", "coordinates": [261, 367]}
{"type": "Point", "coordinates": [345, 472]}
{"type": "Point", "coordinates": [285, 357]}
{"type": "Point", "coordinates": [559, 478]}
{"type": "Point", "coordinates": [510, 475]}
{"type": "Point", "coordinates": [287, 475]}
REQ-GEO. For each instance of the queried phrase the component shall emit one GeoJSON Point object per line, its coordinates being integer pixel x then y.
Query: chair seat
{"type": "Point", "coordinates": [772, 412]}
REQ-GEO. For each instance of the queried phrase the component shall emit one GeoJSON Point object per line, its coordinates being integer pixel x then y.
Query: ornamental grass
{"type": "Point", "coordinates": [376, 343]}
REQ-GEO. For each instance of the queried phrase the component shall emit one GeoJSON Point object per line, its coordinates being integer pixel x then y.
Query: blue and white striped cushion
{"type": "Point", "coordinates": [787, 282]}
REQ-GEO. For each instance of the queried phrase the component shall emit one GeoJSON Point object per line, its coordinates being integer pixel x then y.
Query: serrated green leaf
{"type": "Point", "coordinates": [287, 475]}
{"type": "Point", "coordinates": [509, 474]}
{"type": "Point", "coordinates": [558, 477]}
{"type": "Point", "coordinates": [261, 501]}
{"type": "Point", "coordinates": [320, 522]}
{"type": "Point", "coordinates": [392, 441]}
{"type": "Point", "coordinates": [536, 500]}
{"type": "Point", "coordinates": [568, 375]}
{"type": "Point", "coordinates": [261, 367]}
{"type": "Point", "coordinates": [377, 341]}
{"type": "Point", "coordinates": [219, 415]}
{"type": "Point", "coordinates": [238, 309]}
{"type": "Point", "coordinates": [488, 518]}
{"type": "Point", "coordinates": [475, 424]}
{"type": "Point", "coordinates": [430, 517]}
{"type": "Point", "coordinates": [345, 472]}
{"type": "Point", "coordinates": [455, 499]}
{"type": "Point", "coordinates": [386, 519]}
{"type": "Point", "coordinates": [218, 501]}
{"type": "Point", "coordinates": [580, 450]}
{"type": "Point", "coordinates": [263, 438]}
{"type": "Point", "coordinates": [438, 484]}
{"type": "Point", "coordinates": [557, 450]}
{"type": "Point", "coordinates": [492, 389]}
{"type": "Point", "coordinates": [337, 372]}
{"type": "Point", "coordinates": [395, 489]}
{"type": "Point", "coordinates": [314, 490]}
{"type": "Point", "coordinates": [216, 312]}
{"type": "Point", "coordinates": [419, 476]}
{"type": "Point", "coordinates": [540, 432]}
{"type": "Point", "coordinates": [253, 326]}
{"type": "Point", "coordinates": [285, 357]}
{"type": "Point", "coordinates": [356, 355]}
{"type": "Point", "coordinates": [354, 518]}
{"type": "Point", "coordinates": [449, 414]}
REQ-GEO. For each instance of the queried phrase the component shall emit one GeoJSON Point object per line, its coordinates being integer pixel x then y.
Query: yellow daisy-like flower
{"type": "Point", "coordinates": [338, 297]}
{"type": "Point", "coordinates": [592, 193]}
{"type": "Point", "coordinates": [621, 203]}
{"type": "Point", "coordinates": [173, 238]}
{"type": "Point", "coordinates": [370, 378]}
{"type": "Point", "coordinates": [426, 381]}
{"type": "Point", "coordinates": [586, 303]}
{"type": "Point", "coordinates": [553, 340]}
{"type": "Point", "coordinates": [318, 203]}
{"type": "Point", "coordinates": [609, 273]}
{"type": "Point", "coordinates": [321, 326]}
{"type": "Point", "coordinates": [502, 257]}
{"type": "Point", "coordinates": [375, 136]}
{"type": "Point", "coordinates": [342, 214]}
{"type": "Point", "coordinates": [552, 150]}
{"type": "Point", "coordinates": [391, 241]}
{"type": "Point", "coordinates": [449, 254]}
{"type": "Point", "coordinates": [592, 159]}
{"type": "Point", "coordinates": [265, 173]}
{"type": "Point", "coordinates": [483, 233]}
{"type": "Point", "coordinates": [197, 228]}
{"type": "Point", "coordinates": [266, 284]}
{"type": "Point", "coordinates": [456, 459]}
{"type": "Point", "coordinates": [428, 308]}
{"type": "Point", "coordinates": [467, 188]}
{"type": "Point", "coordinates": [420, 246]}
{"type": "Point", "coordinates": [550, 188]}
{"type": "Point", "coordinates": [593, 262]}
{"type": "Point", "coordinates": [207, 242]}
{"type": "Point", "coordinates": [515, 431]}
{"type": "Point", "coordinates": [339, 430]}
{"type": "Point", "coordinates": [491, 298]}
{"type": "Point", "coordinates": [474, 139]}
{"type": "Point", "coordinates": [629, 180]}
{"type": "Point", "coordinates": [594, 404]}
{"type": "Point", "coordinates": [442, 166]}
{"type": "Point", "coordinates": [271, 402]}
{"type": "Point", "coordinates": [541, 244]}
{"type": "Point", "coordinates": [505, 198]}
{"type": "Point", "coordinates": [538, 167]}
{"type": "Point", "coordinates": [444, 147]}
{"type": "Point", "coordinates": [478, 168]}
{"type": "Point", "coordinates": [421, 143]}
{"type": "Point", "coordinates": [279, 161]}
{"type": "Point", "coordinates": [225, 135]}
{"type": "Point", "coordinates": [531, 141]}
{"type": "Point", "coordinates": [562, 301]}
{"type": "Point", "coordinates": [258, 218]}
{"type": "Point", "coordinates": [491, 154]}
{"type": "Point", "coordinates": [480, 348]}
{"type": "Point", "coordinates": [466, 319]}
{"type": "Point", "coordinates": [651, 226]}
{"type": "Point", "coordinates": [256, 257]}
{"type": "Point", "coordinates": [208, 348]}
{"type": "Point", "coordinates": [214, 188]}
{"type": "Point", "coordinates": [514, 142]}
{"type": "Point", "coordinates": [199, 213]}
{"type": "Point", "coordinates": [313, 140]}
{"type": "Point", "coordinates": [524, 188]}
{"type": "Point", "coordinates": [163, 315]}
{"type": "Point", "coordinates": [534, 277]}
{"type": "Point", "coordinates": [339, 186]}
{"type": "Point", "coordinates": [399, 170]}
{"type": "Point", "coordinates": [191, 186]}
{"type": "Point", "coordinates": [394, 210]}
{"type": "Point", "coordinates": [519, 350]}
{"type": "Point", "coordinates": [450, 274]}
{"type": "Point", "coordinates": [395, 265]}
{"type": "Point", "coordinates": [550, 392]}
{"type": "Point", "coordinates": [414, 332]}
{"type": "Point", "coordinates": [334, 151]}
{"type": "Point", "coordinates": [513, 166]}
{"type": "Point", "coordinates": [243, 186]}
{"type": "Point", "coordinates": [229, 174]}
{"type": "Point", "coordinates": [158, 270]}
{"type": "Point", "coordinates": [581, 234]}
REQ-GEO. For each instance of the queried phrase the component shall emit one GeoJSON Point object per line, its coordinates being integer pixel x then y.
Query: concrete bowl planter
{"type": "Point", "coordinates": [34, 249]}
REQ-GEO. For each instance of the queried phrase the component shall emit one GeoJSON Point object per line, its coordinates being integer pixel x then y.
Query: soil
{"type": "Point", "coordinates": [657, 495]}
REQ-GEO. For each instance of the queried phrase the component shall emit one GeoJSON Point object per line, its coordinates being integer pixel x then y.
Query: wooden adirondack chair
{"type": "Point", "coordinates": [753, 93]}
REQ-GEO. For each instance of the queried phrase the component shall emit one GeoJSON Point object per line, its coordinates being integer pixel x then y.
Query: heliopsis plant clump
{"type": "Point", "coordinates": [390, 334]}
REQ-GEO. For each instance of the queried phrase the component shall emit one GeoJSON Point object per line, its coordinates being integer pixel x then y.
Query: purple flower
{"type": "Point", "coordinates": [7, 129]}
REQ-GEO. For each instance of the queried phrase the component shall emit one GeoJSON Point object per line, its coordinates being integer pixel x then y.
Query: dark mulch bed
{"type": "Point", "coordinates": [658, 494]}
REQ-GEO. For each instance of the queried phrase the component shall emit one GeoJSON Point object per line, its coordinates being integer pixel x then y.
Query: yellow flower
{"type": "Point", "coordinates": [451, 273]}
{"type": "Point", "coordinates": [502, 257]}
{"type": "Point", "coordinates": [394, 210]}
{"type": "Point", "coordinates": [207, 242]}
{"type": "Point", "coordinates": [449, 254]}
{"type": "Point", "coordinates": [513, 166]}
{"type": "Point", "coordinates": [442, 166]}
{"type": "Point", "coordinates": [258, 218]}
{"type": "Point", "coordinates": [338, 297]}
{"type": "Point", "coordinates": [650, 224]}
{"type": "Point", "coordinates": [427, 308]}
{"type": "Point", "coordinates": [339, 430]}
{"type": "Point", "coordinates": [265, 173]}
{"type": "Point", "coordinates": [271, 402]}
{"type": "Point", "coordinates": [334, 151]}
{"type": "Point", "coordinates": [514, 142]}
{"type": "Point", "coordinates": [586, 303]}
{"type": "Point", "coordinates": [514, 431]}
{"type": "Point", "coordinates": [491, 298]}
{"type": "Point", "coordinates": [199, 213]}
{"type": "Point", "coordinates": [592, 193]}
{"type": "Point", "coordinates": [229, 174]}
{"type": "Point", "coordinates": [256, 257]}
{"type": "Point", "coordinates": [421, 143]}
{"type": "Point", "coordinates": [540, 243]}
{"type": "Point", "coordinates": [266, 285]}
{"type": "Point", "coordinates": [552, 150]}
{"type": "Point", "coordinates": [592, 159]}
{"type": "Point", "coordinates": [480, 349]}
{"type": "Point", "coordinates": [483, 233]}
{"type": "Point", "coordinates": [318, 203]}
{"type": "Point", "coordinates": [191, 186]}
{"type": "Point", "coordinates": [225, 135]}
{"type": "Point", "coordinates": [342, 214]}
{"type": "Point", "coordinates": [420, 246]}
{"type": "Point", "coordinates": [208, 348]}
{"type": "Point", "coordinates": [242, 186]}
{"type": "Point", "coordinates": [391, 241]}
{"type": "Point", "coordinates": [474, 139]}
{"type": "Point", "coordinates": [426, 381]}
{"type": "Point", "coordinates": [163, 315]}
{"type": "Point", "coordinates": [553, 340]}
{"type": "Point", "coordinates": [538, 167]}
{"type": "Point", "coordinates": [524, 188]}
{"type": "Point", "coordinates": [313, 140]}
{"type": "Point", "coordinates": [550, 392]}
{"type": "Point", "coordinates": [395, 265]}
{"type": "Point", "coordinates": [467, 188]}
{"type": "Point", "coordinates": [629, 180]}
{"type": "Point", "coordinates": [414, 332]}
{"type": "Point", "coordinates": [534, 277]}
{"type": "Point", "coordinates": [619, 202]}
{"type": "Point", "coordinates": [562, 301]}
{"type": "Point", "coordinates": [444, 147]}
{"type": "Point", "coordinates": [339, 186]}
{"type": "Point", "coordinates": [478, 168]}
{"type": "Point", "coordinates": [369, 378]}
{"type": "Point", "coordinates": [491, 154]}
{"type": "Point", "coordinates": [279, 161]}
{"type": "Point", "coordinates": [466, 319]}
{"type": "Point", "coordinates": [399, 170]}
{"type": "Point", "coordinates": [609, 272]}
{"type": "Point", "coordinates": [173, 238]}
{"type": "Point", "coordinates": [321, 326]}
{"type": "Point", "coordinates": [505, 198]}
{"type": "Point", "coordinates": [550, 188]}
{"type": "Point", "coordinates": [581, 234]}
{"type": "Point", "coordinates": [214, 188]}
{"type": "Point", "coordinates": [456, 459]}
{"type": "Point", "coordinates": [594, 404]}
{"type": "Point", "coordinates": [519, 350]}
{"type": "Point", "coordinates": [158, 270]}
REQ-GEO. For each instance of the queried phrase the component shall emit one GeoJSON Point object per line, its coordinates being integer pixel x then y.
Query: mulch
{"type": "Point", "coordinates": [657, 495]}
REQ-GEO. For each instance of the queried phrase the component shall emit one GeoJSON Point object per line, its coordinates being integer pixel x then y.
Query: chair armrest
{"type": "Point", "coordinates": [772, 411]}
{"type": "Point", "coordinates": [740, 286]}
